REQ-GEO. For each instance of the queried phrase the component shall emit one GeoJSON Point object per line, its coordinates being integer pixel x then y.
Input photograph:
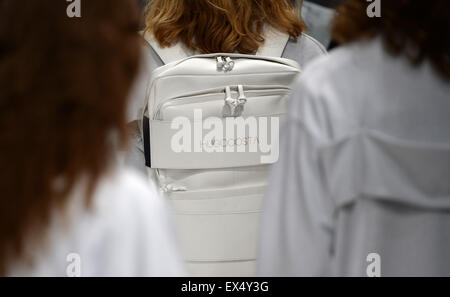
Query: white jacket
{"type": "Point", "coordinates": [364, 171]}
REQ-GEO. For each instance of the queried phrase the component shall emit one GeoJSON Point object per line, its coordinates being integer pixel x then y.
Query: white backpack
{"type": "Point", "coordinates": [216, 193]}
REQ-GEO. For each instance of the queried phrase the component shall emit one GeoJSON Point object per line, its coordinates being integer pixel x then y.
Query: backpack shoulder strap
{"type": "Point", "coordinates": [275, 43]}
{"type": "Point", "coordinates": [167, 54]}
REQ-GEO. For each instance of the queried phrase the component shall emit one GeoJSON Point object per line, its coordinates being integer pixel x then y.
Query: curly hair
{"type": "Point", "coordinates": [211, 26]}
{"type": "Point", "coordinates": [416, 29]}
{"type": "Point", "coordinates": [64, 83]}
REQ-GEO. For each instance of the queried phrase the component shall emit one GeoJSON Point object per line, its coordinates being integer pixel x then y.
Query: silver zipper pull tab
{"type": "Point", "coordinates": [240, 102]}
{"type": "Point", "coordinates": [228, 94]}
{"type": "Point", "coordinates": [229, 64]}
{"type": "Point", "coordinates": [220, 63]}
{"type": "Point", "coordinates": [242, 99]}
{"type": "Point", "coordinates": [230, 104]}
{"type": "Point", "coordinates": [170, 188]}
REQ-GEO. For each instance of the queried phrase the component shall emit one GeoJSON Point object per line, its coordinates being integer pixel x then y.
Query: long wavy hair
{"type": "Point", "coordinates": [63, 88]}
{"type": "Point", "coordinates": [416, 29]}
{"type": "Point", "coordinates": [211, 26]}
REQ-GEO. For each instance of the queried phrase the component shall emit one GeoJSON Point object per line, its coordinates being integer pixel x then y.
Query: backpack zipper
{"type": "Point", "coordinates": [225, 63]}
{"type": "Point", "coordinates": [234, 107]}
{"type": "Point", "coordinates": [199, 96]}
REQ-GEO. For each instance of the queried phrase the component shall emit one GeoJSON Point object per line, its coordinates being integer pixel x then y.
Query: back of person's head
{"type": "Point", "coordinates": [64, 83]}
{"type": "Point", "coordinates": [414, 28]}
{"type": "Point", "coordinates": [211, 26]}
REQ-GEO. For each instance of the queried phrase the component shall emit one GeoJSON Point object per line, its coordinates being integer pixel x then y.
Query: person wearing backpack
{"type": "Point", "coordinates": [201, 57]}
{"type": "Point", "coordinates": [301, 47]}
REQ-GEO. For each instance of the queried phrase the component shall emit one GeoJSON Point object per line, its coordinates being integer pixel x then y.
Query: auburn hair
{"type": "Point", "coordinates": [416, 29]}
{"type": "Point", "coordinates": [211, 26]}
{"type": "Point", "coordinates": [64, 83]}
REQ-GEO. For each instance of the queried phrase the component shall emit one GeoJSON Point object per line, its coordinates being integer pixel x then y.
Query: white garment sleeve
{"type": "Point", "coordinates": [134, 234]}
{"type": "Point", "coordinates": [125, 231]}
{"type": "Point", "coordinates": [296, 231]}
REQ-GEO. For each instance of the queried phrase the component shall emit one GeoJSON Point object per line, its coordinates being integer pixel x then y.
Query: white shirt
{"type": "Point", "coordinates": [364, 171]}
{"type": "Point", "coordinates": [125, 232]}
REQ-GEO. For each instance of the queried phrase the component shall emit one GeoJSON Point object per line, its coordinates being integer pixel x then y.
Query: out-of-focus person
{"type": "Point", "coordinates": [67, 207]}
{"type": "Point", "coordinates": [362, 187]}
{"type": "Point", "coordinates": [318, 15]}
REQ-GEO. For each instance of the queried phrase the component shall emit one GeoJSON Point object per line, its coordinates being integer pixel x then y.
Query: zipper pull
{"type": "Point", "coordinates": [170, 188]}
{"type": "Point", "coordinates": [230, 104]}
{"type": "Point", "coordinates": [242, 99]}
{"type": "Point", "coordinates": [229, 64]}
{"type": "Point", "coordinates": [239, 109]}
{"type": "Point", "coordinates": [220, 63]}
